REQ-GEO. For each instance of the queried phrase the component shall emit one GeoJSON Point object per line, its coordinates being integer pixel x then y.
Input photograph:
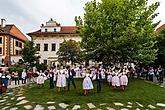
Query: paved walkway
{"type": "Point", "coordinates": [14, 86]}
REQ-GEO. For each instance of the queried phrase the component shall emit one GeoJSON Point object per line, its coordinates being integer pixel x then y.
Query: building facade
{"type": "Point", "coordinates": [49, 38]}
{"type": "Point", "coordinates": [11, 43]}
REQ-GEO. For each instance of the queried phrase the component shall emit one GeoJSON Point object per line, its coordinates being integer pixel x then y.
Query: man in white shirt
{"type": "Point", "coordinates": [24, 77]}
{"type": "Point", "coordinates": [0, 78]}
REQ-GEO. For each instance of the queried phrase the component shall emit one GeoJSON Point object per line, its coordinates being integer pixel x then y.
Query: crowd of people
{"type": "Point", "coordinates": [62, 76]}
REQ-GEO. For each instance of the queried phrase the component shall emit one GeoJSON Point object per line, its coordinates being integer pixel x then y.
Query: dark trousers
{"type": "Point", "coordinates": [151, 78]}
{"type": "Point", "coordinates": [161, 79]}
{"type": "Point", "coordinates": [4, 81]}
{"type": "Point", "coordinates": [72, 83]}
{"type": "Point", "coordinates": [98, 84]}
{"type": "Point", "coordinates": [23, 81]}
{"type": "Point", "coordinates": [51, 83]}
{"type": "Point", "coordinates": [16, 79]}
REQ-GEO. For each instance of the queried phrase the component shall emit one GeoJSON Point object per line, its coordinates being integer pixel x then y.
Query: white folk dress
{"type": "Point", "coordinates": [61, 78]}
{"type": "Point", "coordinates": [87, 83]}
{"type": "Point", "coordinates": [109, 77]}
{"type": "Point", "coordinates": [123, 79]}
{"type": "Point", "coordinates": [40, 78]}
{"type": "Point", "coordinates": [115, 80]}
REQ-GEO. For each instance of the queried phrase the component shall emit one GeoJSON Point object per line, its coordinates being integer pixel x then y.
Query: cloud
{"type": "Point", "coordinates": [28, 15]}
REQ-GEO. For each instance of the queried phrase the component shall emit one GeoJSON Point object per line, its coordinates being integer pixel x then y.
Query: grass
{"type": "Point", "coordinates": [136, 91]}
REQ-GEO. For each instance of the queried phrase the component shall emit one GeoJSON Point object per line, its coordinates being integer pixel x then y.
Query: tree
{"type": "Point", "coordinates": [29, 53]}
{"type": "Point", "coordinates": [161, 46]}
{"type": "Point", "coordinates": [119, 31]}
{"type": "Point", "coordinates": [69, 51]}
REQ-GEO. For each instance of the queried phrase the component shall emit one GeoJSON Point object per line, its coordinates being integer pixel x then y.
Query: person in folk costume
{"type": "Point", "coordinates": [16, 77]}
{"type": "Point", "coordinates": [8, 76]}
{"type": "Point", "coordinates": [123, 79]}
{"type": "Point", "coordinates": [29, 76]}
{"type": "Point", "coordinates": [109, 76]}
{"type": "Point", "coordinates": [102, 71]}
{"type": "Point", "coordinates": [55, 74]}
{"type": "Point", "coordinates": [87, 83]}
{"type": "Point", "coordinates": [0, 77]}
{"type": "Point", "coordinates": [98, 79]}
{"type": "Point", "coordinates": [160, 74]}
{"type": "Point", "coordinates": [61, 78]}
{"type": "Point", "coordinates": [115, 79]}
{"type": "Point", "coordinates": [84, 71]}
{"type": "Point", "coordinates": [51, 78]}
{"type": "Point", "coordinates": [71, 74]}
{"type": "Point", "coordinates": [40, 78]}
{"type": "Point", "coordinates": [4, 79]}
{"type": "Point", "coordinates": [93, 70]}
{"type": "Point", "coordinates": [151, 73]}
{"type": "Point", "coordinates": [80, 71]}
{"type": "Point", "coordinates": [23, 76]}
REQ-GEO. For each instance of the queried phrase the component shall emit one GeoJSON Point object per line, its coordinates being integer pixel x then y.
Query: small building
{"type": "Point", "coordinates": [11, 43]}
{"type": "Point", "coordinates": [49, 37]}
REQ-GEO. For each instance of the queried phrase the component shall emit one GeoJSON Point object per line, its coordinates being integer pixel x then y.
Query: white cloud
{"type": "Point", "coordinates": [28, 15]}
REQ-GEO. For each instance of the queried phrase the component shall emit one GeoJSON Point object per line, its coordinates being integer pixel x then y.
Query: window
{"type": "Point", "coordinates": [20, 52]}
{"type": "Point", "coordinates": [20, 44]}
{"type": "Point", "coordinates": [0, 40]}
{"type": "Point", "coordinates": [17, 52]}
{"type": "Point", "coordinates": [54, 29]}
{"type": "Point", "coordinates": [60, 44]}
{"type": "Point", "coordinates": [53, 47]}
{"type": "Point", "coordinates": [38, 47]}
{"type": "Point", "coordinates": [45, 47]}
{"type": "Point", "coordinates": [46, 30]}
{"type": "Point", "coordinates": [0, 50]}
{"type": "Point", "coordinates": [16, 43]}
{"type": "Point", "coordinates": [45, 62]}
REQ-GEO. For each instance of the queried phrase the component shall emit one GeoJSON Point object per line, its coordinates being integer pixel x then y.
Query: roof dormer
{"type": "Point", "coordinates": [51, 26]}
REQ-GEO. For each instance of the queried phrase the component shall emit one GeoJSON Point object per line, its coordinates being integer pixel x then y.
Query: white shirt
{"type": "Point", "coordinates": [23, 74]}
{"type": "Point", "coordinates": [0, 75]}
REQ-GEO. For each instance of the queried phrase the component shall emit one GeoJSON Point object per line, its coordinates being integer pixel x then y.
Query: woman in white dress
{"type": "Point", "coordinates": [123, 80]}
{"type": "Point", "coordinates": [61, 78]}
{"type": "Point", "coordinates": [115, 79]}
{"type": "Point", "coordinates": [87, 84]}
{"type": "Point", "coordinates": [109, 76]}
{"type": "Point", "coordinates": [40, 78]}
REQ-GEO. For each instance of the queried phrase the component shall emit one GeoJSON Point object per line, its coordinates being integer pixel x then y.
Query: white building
{"type": "Point", "coordinates": [49, 37]}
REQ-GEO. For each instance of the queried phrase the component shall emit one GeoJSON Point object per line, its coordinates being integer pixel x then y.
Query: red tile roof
{"type": "Point", "coordinates": [159, 28]}
{"type": "Point", "coordinates": [13, 31]}
{"type": "Point", "coordinates": [64, 30]}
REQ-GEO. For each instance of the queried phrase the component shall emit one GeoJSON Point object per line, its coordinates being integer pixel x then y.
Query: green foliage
{"type": "Point", "coordinates": [119, 31]}
{"type": "Point", "coordinates": [41, 66]}
{"type": "Point", "coordinates": [18, 68]}
{"type": "Point", "coordinates": [29, 53]}
{"type": "Point", "coordinates": [161, 46]}
{"type": "Point", "coordinates": [69, 51]}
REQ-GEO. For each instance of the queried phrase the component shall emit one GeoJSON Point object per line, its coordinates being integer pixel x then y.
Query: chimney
{"type": "Point", "coordinates": [3, 22]}
{"type": "Point", "coordinates": [42, 25]}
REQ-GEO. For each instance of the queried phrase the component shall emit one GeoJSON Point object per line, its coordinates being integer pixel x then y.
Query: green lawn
{"type": "Point", "coordinates": [137, 91]}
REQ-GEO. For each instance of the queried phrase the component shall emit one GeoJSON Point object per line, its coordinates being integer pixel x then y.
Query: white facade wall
{"type": "Point", "coordinates": [15, 59]}
{"type": "Point", "coordinates": [51, 55]}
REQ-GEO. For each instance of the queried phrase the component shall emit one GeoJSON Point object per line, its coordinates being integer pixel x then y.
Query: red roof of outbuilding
{"type": "Point", "coordinates": [159, 28]}
{"type": "Point", "coordinates": [14, 31]}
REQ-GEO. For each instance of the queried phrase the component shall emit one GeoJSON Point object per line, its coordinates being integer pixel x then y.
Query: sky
{"type": "Point", "coordinates": [28, 15]}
